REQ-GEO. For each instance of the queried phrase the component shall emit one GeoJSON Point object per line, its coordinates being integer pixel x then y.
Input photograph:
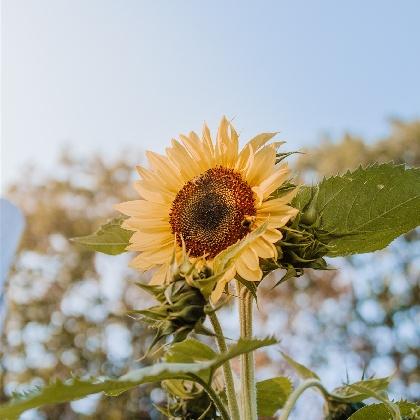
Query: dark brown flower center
{"type": "Point", "coordinates": [210, 211]}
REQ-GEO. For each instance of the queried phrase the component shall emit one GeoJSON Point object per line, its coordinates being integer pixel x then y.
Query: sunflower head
{"type": "Point", "coordinates": [206, 196]}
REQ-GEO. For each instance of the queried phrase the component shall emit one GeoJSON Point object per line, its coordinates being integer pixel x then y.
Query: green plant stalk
{"type": "Point", "coordinates": [294, 396]}
{"type": "Point", "coordinates": [248, 387]}
{"type": "Point", "coordinates": [213, 396]}
{"type": "Point", "coordinates": [227, 370]}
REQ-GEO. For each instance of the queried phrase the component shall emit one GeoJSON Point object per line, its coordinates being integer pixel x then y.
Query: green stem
{"type": "Point", "coordinates": [227, 370]}
{"type": "Point", "coordinates": [291, 401]}
{"type": "Point", "coordinates": [213, 396]}
{"type": "Point", "coordinates": [248, 387]}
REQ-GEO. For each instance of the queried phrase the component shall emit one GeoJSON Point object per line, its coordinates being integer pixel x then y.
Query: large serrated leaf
{"type": "Point", "coordinates": [301, 370]}
{"type": "Point", "coordinates": [364, 210]}
{"type": "Point", "coordinates": [408, 410]}
{"type": "Point", "coordinates": [110, 238]}
{"type": "Point", "coordinates": [272, 395]}
{"type": "Point", "coordinates": [74, 389]}
{"type": "Point", "coordinates": [354, 392]}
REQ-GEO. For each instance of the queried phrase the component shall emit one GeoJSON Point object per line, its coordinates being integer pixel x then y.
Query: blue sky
{"type": "Point", "coordinates": [106, 75]}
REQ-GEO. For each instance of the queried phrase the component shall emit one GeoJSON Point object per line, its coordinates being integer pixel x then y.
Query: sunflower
{"type": "Point", "coordinates": [205, 197]}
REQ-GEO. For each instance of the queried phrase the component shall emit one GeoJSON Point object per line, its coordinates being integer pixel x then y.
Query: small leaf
{"type": "Point", "coordinates": [188, 351]}
{"type": "Point", "coordinates": [301, 370]}
{"type": "Point", "coordinates": [272, 395]}
{"type": "Point", "coordinates": [364, 210]}
{"type": "Point", "coordinates": [353, 392]}
{"type": "Point", "coordinates": [408, 410]}
{"type": "Point", "coordinates": [110, 238]}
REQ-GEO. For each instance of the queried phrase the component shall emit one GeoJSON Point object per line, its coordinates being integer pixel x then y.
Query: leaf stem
{"type": "Point", "coordinates": [294, 396]}
{"type": "Point", "coordinates": [213, 396]}
{"type": "Point", "coordinates": [227, 370]}
{"type": "Point", "coordinates": [248, 387]}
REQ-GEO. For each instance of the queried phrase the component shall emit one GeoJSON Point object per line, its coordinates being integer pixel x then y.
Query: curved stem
{"type": "Point", "coordinates": [248, 388]}
{"type": "Point", "coordinates": [291, 401]}
{"type": "Point", "coordinates": [227, 370]}
{"type": "Point", "coordinates": [213, 396]}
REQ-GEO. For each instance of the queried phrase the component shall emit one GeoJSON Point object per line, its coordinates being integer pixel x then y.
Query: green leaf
{"type": "Point", "coordinates": [75, 388]}
{"type": "Point", "coordinates": [301, 370]}
{"type": "Point", "coordinates": [356, 392]}
{"type": "Point", "coordinates": [364, 210]}
{"type": "Point", "coordinates": [408, 410]}
{"type": "Point", "coordinates": [188, 351]}
{"type": "Point", "coordinates": [272, 395]}
{"type": "Point", "coordinates": [110, 238]}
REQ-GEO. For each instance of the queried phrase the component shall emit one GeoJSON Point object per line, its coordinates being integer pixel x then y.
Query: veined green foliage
{"type": "Point", "coordinates": [408, 411]}
{"type": "Point", "coordinates": [272, 395]}
{"type": "Point", "coordinates": [364, 210]}
{"type": "Point", "coordinates": [110, 238]}
{"type": "Point", "coordinates": [188, 351]}
{"type": "Point", "coordinates": [353, 393]}
{"type": "Point", "coordinates": [76, 388]}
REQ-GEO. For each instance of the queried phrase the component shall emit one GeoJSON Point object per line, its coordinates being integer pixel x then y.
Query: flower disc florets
{"type": "Point", "coordinates": [209, 213]}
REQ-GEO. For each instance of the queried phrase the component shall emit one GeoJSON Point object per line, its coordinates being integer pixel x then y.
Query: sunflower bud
{"type": "Point", "coordinates": [310, 215]}
{"type": "Point", "coordinates": [336, 410]}
{"type": "Point", "coordinates": [188, 400]}
{"type": "Point", "coordinates": [182, 302]}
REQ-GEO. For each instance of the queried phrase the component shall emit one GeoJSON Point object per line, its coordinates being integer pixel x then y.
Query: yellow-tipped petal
{"type": "Point", "coordinates": [160, 276]}
{"type": "Point", "coordinates": [250, 257]}
{"type": "Point", "coordinates": [262, 167]}
{"type": "Point", "coordinates": [271, 183]}
{"type": "Point", "coordinates": [142, 208]}
{"type": "Point", "coordinates": [264, 249]}
{"type": "Point", "coordinates": [245, 272]}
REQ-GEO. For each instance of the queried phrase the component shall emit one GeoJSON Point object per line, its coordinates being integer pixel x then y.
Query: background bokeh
{"type": "Point", "coordinates": [88, 85]}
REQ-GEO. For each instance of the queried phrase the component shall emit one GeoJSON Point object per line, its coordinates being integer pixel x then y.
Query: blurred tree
{"type": "Point", "coordinates": [364, 317]}
{"type": "Point", "coordinates": [384, 318]}
{"type": "Point", "coordinates": [66, 306]}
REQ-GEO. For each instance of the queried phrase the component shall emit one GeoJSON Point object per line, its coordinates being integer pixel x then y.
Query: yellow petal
{"type": "Point", "coordinates": [187, 166]}
{"type": "Point", "coordinates": [143, 208]}
{"type": "Point", "coordinates": [262, 167]}
{"type": "Point", "coordinates": [261, 139]}
{"type": "Point", "coordinates": [220, 286]}
{"type": "Point", "coordinates": [141, 241]}
{"type": "Point", "coordinates": [245, 272]}
{"type": "Point", "coordinates": [159, 255]}
{"type": "Point", "coordinates": [160, 275]}
{"type": "Point", "coordinates": [263, 248]}
{"type": "Point", "coordinates": [140, 263]}
{"type": "Point", "coordinates": [272, 235]}
{"type": "Point", "coordinates": [250, 257]}
{"type": "Point", "coordinates": [149, 193]}
{"type": "Point", "coordinates": [272, 182]}
{"type": "Point", "coordinates": [168, 172]}
{"type": "Point", "coordinates": [270, 206]}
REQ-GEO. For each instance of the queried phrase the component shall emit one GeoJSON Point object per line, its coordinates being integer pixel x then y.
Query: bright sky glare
{"type": "Point", "coordinates": [104, 75]}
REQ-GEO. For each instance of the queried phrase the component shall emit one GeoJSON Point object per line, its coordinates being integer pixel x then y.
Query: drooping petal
{"type": "Point", "coordinates": [246, 272]}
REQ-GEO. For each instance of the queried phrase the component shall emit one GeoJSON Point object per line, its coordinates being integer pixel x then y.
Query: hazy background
{"type": "Point", "coordinates": [103, 74]}
{"type": "Point", "coordinates": [88, 85]}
